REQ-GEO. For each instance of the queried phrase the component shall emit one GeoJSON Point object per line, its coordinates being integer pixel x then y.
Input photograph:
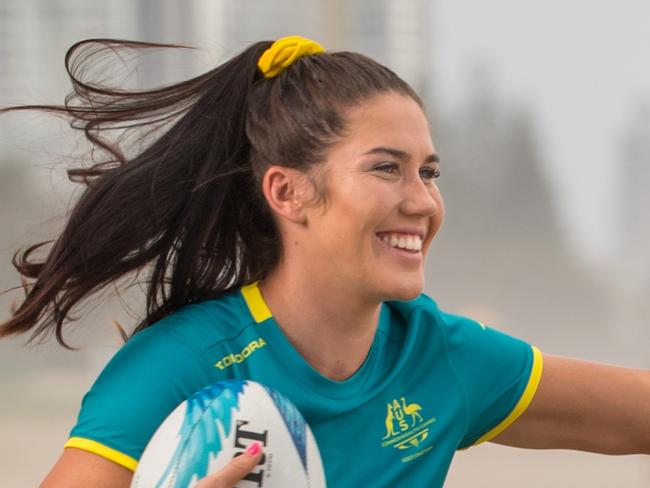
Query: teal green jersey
{"type": "Point", "coordinates": [432, 383]}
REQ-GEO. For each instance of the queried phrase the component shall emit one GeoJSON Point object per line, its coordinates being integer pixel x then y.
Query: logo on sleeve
{"type": "Point", "coordinates": [406, 427]}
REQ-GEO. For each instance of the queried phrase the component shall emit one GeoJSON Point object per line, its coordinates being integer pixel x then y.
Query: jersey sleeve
{"type": "Point", "coordinates": [498, 374]}
{"type": "Point", "coordinates": [147, 378]}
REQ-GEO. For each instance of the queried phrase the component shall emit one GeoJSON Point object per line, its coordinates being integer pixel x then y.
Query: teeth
{"type": "Point", "coordinates": [402, 241]}
{"type": "Point", "coordinates": [411, 243]}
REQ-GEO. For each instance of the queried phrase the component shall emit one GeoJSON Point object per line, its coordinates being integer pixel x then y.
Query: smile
{"type": "Point", "coordinates": [407, 242]}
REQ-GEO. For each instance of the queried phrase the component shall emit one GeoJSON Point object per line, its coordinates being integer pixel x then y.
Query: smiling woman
{"type": "Point", "coordinates": [373, 194]}
{"type": "Point", "coordinates": [285, 212]}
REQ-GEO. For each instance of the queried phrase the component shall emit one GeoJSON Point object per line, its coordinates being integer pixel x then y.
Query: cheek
{"type": "Point", "coordinates": [436, 219]}
{"type": "Point", "coordinates": [440, 217]}
{"type": "Point", "coordinates": [354, 211]}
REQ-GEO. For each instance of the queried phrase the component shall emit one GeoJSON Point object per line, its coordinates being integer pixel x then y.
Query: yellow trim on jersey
{"type": "Point", "coordinates": [524, 400]}
{"type": "Point", "coordinates": [256, 304]}
{"type": "Point", "coordinates": [104, 451]}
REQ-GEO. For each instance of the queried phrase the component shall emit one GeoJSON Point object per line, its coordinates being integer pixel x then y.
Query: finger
{"type": "Point", "coordinates": [235, 470]}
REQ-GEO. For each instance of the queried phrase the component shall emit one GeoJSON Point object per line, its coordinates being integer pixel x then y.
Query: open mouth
{"type": "Point", "coordinates": [403, 242]}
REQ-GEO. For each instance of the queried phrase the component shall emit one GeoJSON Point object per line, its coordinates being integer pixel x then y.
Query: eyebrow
{"type": "Point", "coordinates": [401, 155]}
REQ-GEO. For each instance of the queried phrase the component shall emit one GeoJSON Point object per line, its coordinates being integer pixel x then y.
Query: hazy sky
{"type": "Point", "coordinates": [583, 66]}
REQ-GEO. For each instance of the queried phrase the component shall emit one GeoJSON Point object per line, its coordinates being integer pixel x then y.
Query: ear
{"type": "Point", "coordinates": [287, 190]}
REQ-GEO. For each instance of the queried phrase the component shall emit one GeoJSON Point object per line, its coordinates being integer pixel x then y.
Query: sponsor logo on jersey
{"type": "Point", "coordinates": [406, 428]}
{"type": "Point", "coordinates": [242, 355]}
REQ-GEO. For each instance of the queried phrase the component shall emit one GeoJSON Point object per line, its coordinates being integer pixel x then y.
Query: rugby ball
{"type": "Point", "coordinates": [220, 421]}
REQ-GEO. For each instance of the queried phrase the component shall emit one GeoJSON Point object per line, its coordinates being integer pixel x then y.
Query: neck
{"type": "Point", "coordinates": [334, 334]}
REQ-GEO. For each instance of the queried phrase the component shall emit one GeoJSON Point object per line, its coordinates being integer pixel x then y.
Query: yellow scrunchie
{"type": "Point", "coordinates": [284, 52]}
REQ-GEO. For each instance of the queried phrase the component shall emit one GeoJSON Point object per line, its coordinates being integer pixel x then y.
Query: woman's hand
{"type": "Point", "coordinates": [236, 469]}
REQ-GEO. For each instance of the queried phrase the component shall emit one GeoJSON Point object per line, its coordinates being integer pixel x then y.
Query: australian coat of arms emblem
{"type": "Point", "coordinates": [405, 425]}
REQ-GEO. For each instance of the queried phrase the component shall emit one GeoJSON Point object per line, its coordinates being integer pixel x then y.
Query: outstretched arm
{"type": "Point", "coordinates": [585, 406]}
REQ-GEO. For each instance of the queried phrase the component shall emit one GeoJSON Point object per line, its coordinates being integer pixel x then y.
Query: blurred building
{"type": "Point", "coordinates": [35, 34]}
{"type": "Point", "coordinates": [634, 168]}
{"type": "Point", "coordinates": [630, 263]}
{"type": "Point", "coordinates": [19, 48]}
{"type": "Point", "coordinates": [394, 32]}
{"type": "Point", "coordinates": [32, 34]}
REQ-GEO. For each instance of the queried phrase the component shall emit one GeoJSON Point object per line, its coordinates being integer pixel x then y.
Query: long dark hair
{"type": "Point", "coordinates": [188, 208]}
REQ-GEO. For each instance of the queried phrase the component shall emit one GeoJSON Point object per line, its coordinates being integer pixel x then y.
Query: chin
{"type": "Point", "coordinates": [405, 291]}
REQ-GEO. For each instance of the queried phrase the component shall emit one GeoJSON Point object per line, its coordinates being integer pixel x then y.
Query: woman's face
{"type": "Point", "coordinates": [382, 205]}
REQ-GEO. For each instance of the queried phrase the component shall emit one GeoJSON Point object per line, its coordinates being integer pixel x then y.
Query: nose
{"type": "Point", "coordinates": [421, 198]}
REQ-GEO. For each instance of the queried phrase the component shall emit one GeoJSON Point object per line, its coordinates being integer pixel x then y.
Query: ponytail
{"type": "Point", "coordinates": [186, 205]}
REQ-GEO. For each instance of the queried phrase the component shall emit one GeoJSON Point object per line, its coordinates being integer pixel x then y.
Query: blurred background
{"type": "Point", "coordinates": [540, 112]}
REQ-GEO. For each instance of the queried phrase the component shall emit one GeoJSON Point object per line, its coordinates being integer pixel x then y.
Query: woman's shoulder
{"type": "Point", "coordinates": [201, 324]}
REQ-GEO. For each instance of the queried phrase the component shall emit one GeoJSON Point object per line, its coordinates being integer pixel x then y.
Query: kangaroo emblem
{"type": "Point", "coordinates": [390, 428]}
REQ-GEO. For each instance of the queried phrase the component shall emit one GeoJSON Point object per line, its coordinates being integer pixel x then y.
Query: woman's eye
{"type": "Point", "coordinates": [429, 173]}
{"type": "Point", "coordinates": [387, 168]}
{"type": "Point", "coordinates": [426, 173]}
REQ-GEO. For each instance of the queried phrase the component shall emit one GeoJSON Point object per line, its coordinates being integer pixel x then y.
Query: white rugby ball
{"type": "Point", "coordinates": [220, 421]}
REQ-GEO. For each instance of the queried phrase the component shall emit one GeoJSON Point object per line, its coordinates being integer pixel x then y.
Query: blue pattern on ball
{"type": "Point", "coordinates": [294, 421]}
{"type": "Point", "coordinates": [199, 435]}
